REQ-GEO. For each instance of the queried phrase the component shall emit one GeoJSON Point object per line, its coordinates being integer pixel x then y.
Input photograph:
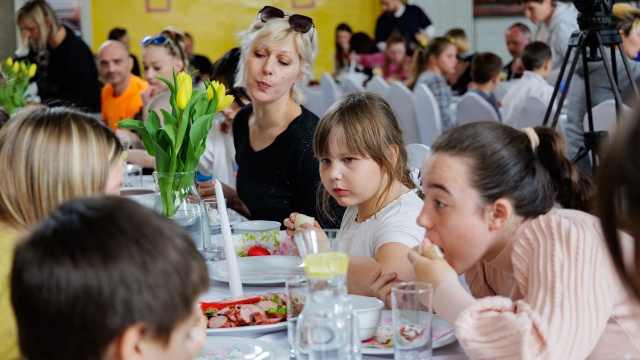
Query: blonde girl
{"type": "Point", "coordinates": [429, 67]}
{"type": "Point", "coordinates": [54, 154]}
{"type": "Point", "coordinates": [363, 166]}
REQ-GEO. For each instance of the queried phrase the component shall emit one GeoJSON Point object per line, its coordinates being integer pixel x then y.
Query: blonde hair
{"type": "Point", "coordinates": [369, 128]}
{"type": "Point", "coordinates": [625, 17]}
{"type": "Point", "coordinates": [278, 32]}
{"type": "Point", "coordinates": [458, 37]}
{"type": "Point", "coordinates": [54, 154]}
{"type": "Point", "coordinates": [420, 60]}
{"type": "Point", "coordinates": [38, 11]}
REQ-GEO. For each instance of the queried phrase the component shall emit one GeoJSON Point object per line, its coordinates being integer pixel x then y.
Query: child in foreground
{"type": "Point", "coordinates": [105, 278]}
{"type": "Point", "coordinates": [363, 166]}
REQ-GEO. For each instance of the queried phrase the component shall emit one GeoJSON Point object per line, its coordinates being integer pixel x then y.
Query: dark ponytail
{"type": "Point", "coordinates": [573, 189]}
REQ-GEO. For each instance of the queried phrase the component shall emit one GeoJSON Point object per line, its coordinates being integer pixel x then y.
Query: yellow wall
{"type": "Point", "coordinates": [214, 23]}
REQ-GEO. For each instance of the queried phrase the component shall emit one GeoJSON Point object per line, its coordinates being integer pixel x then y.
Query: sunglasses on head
{"type": "Point", "coordinates": [155, 40]}
{"type": "Point", "coordinates": [299, 23]}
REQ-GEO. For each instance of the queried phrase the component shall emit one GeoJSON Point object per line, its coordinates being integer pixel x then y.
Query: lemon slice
{"type": "Point", "coordinates": [325, 266]}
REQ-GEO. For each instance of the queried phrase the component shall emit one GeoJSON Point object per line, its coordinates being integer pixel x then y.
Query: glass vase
{"type": "Point", "coordinates": [177, 198]}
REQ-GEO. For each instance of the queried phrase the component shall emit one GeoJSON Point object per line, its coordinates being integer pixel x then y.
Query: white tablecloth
{"type": "Point", "coordinates": [220, 290]}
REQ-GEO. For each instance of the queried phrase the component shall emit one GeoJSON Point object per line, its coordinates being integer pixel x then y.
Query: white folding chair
{"type": "Point", "coordinates": [472, 107]}
{"type": "Point", "coordinates": [401, 100]}
{"type": "Point", "coordinates": [378, 85]}
{"type": "Point", "coordinates": [315, 100]}
{"type": "Point", "coordinates": [529, 113]}
{"type": "Point", "coordinates": [330, 91]}
{"type": "Point", "coordinates": [415, 155]}
{"type": "Point", "coordinates": [604, 116]}
{"type": "Point", "coordinates": [351, 84]}
{"type": "Point", "coordinates": [427, 114]}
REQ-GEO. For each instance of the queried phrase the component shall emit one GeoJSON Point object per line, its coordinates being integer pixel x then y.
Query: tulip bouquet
{"type": "Point", "coordinates": [179, 141]}
{"type": "Point", "coordinates": [14, 79]}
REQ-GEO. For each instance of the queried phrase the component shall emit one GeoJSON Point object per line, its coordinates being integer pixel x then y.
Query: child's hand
{"type": "Point", "coordinates": [289, 223]}
{"type": "Point", "coordinates": [429, 267]}
{"type": "Point", "coordinates": [381, 285]}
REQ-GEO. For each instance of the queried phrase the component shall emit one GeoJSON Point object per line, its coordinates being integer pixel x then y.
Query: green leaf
{"type": "Point", "coordinates": [153, 124]}
{"type": "Point", "coordinates": [162, 159]}
{"type": "Point", "coordinates": [200, 130]}
{"type": "Point", "coordinates": [169, 84]}
{"type": "Point", "coordinates": [201, 106]}
{"type": "Point", "coordinates": [148, 143]}
{"type": "Point", "coordinates": [169, 131]}
{"type": "Point", "coordinates": [130, 124]}
{"type": "Point", "coordinates": [169, 118]}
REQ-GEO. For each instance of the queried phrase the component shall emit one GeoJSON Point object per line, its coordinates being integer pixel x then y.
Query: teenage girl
{"type": "Point", "coordinates": [363, 166]}
{"type": "Point", "coordinates": [429, 67]}
{"type": "Point", "coordinates": [542, 281]}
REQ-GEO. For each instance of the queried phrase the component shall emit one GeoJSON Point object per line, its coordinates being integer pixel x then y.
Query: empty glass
{"type": "Point", "coordinates": [411, 313]}
{"type": "Point", "coordinates": [296, 296]}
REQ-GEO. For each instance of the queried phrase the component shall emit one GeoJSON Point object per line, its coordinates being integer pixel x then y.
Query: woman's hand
{"type": "Point", "coordinates": [381, 285]}
{"type": "Point", "coordinates": [429, 267]}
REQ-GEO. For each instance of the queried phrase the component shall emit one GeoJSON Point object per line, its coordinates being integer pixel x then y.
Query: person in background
{"type": "Point", "coordinates": [219, 158]}
{"type": "Point", "coordinates": [277, 172]}
{"type": "Point", "coordinates": [626, 19]}
{"type": "Point", "coordinates": [429, 67]}
{"type": "Point", "coordinates": [343, 50]}
{"type": "Point", "coordinates": [516, 37]}
{"type": "Point", "coordinates": [542, 282]}
{"type": "Point", "coordinates": [121, 95]}
{"type": "Point", "coordinates": [409, 20]}
{"type": "Point", "coordinates": [55, 154]}
{"type": "Point", "coordinates": [536, 59]}
{"type": "Point", "coordinates": [197, 62]}
{"type": "Point", "coordinates": [393, 62]}
{"type": "Point", "coordinates": [120, 34]}
{"type": "Point", "coordinates": [108, 255]}
{"type": "Point", "coordinates": [618, 201]}
{"type": "Point", "coordinates": [66, 73]}
{"type": "Point", "coordinates": [485, 73]}
{"type": "Point", "coordinates": [555, 21]}
{"type": "Point", "coordinates": [361, 43]}
{"type": "Point", "coordinates": [363, 166]}
{"type": "Point", "coordinates": [460, 79]}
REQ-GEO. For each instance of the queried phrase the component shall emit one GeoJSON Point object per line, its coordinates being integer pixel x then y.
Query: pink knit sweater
{"type": "Point", "coordinates": [552, 293]}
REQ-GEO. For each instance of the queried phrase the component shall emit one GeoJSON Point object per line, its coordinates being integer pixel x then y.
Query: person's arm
{"type": "Point", "coordinates": [568, 287]}
{"type": "Point", "coordinates": [390, 257]}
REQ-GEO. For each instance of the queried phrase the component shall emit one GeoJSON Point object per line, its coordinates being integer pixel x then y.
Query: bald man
{"type": "Point", "coordinates": [516, 37]}
{"type": "Point", "coordinates": [121, 97]}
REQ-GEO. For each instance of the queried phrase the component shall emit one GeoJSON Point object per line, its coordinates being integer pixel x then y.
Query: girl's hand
{"type": "Point", "coordinates": [429, 267]}
{"type": "Point", "coordinates": [381, 285]}
{"type": "Point", "coordinates": [289, 223]}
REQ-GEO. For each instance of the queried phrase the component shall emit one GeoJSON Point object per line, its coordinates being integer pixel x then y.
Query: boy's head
{"type": "Point", "coordinates": [106, 278]}
{"type": "Point", "coordinates": [536, 56]}
{"type": "Point", "coordinates": [486, 67]}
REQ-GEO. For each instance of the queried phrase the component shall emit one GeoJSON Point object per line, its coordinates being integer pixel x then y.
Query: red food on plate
{"type": "Point", "coordinates": [258, 251]}
{"type": "Point", "coordinates": [219, 305]}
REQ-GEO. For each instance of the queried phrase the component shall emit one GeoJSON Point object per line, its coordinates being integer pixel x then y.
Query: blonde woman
{"type": "Point", "coordinates": [54, 154]}
{"type": "Point", "coordinates": [277, 171]}
{"type": "Point", "coordinates": [66, 69]}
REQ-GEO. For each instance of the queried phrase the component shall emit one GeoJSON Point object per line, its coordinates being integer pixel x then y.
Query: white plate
{"type": "Point", "coordinates": [251, 330]}
{"type": "Point", "coordinates": [260, 270]}
{"type": "Point", "coordinates": [237, 348]}
{"type": "Point", "coordinates": [256, 226]}
{"type": "Point", "coordinates": [438, 326]}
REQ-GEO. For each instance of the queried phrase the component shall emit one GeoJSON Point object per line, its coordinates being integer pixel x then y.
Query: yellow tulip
{"type": "Point", "coordinates": [16, 67]}
{"type": "Point", "coordinates": [185, 88]}
{"type": "Point", "coordinates": [9, 62]}
{"type": "Point", "coordinates": [23, 66]}
{"type": "Point", "coordinates": [32, 70]}
{"type": "Point", "coordinates": [223, 99]}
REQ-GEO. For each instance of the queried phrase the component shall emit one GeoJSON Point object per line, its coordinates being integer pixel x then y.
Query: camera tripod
{"type": "Point", "coordinates": [595, 40]}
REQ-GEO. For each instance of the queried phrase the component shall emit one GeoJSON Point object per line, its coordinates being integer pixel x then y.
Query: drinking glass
{"type": "Point", "coordinates": [133, 176]}
{"type": "Point", "coordinates": [327, 328]}
{"type": "Point", "coordinates": [296, 296]}
{"type": "Point", "coordinates": [411, 308]}
{"type": "Point", "coordinates": [213, 249]}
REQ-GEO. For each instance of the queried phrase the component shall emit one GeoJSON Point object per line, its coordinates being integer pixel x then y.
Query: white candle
{"type": "Point", "coordinates": [235, 286]}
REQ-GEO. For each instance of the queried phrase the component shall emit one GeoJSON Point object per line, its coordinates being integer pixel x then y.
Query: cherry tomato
{"type": "Point", "coordinates": [258, 251]}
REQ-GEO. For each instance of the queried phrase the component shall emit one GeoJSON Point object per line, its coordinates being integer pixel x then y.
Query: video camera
{"type": "Point", "coordinates": [594, 14]}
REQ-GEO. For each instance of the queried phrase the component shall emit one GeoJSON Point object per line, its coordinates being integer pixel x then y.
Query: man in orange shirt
{"type": "Point", "coordinates": [121, 97]}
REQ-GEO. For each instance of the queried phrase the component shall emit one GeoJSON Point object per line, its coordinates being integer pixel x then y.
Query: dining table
{"type": "Point", "coordinates": [220, 290]}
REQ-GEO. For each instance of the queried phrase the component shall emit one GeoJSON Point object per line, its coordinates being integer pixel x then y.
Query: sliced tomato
{"type": "Point", "coordinates": [258, 251]}
{"type": "Point", "coordinates": [219, 305]}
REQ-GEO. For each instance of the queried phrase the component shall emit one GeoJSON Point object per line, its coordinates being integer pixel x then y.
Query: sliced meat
{"type": "Point", "coordinates": [266, 305]}
{"type": "Point", "coordinates": [216, 322]}
{"type": "Point", "coordinates": [259, 318]}
{"type": "Point", "coordinates": [282, 298]}
{"type": "Point", "coordinates": [229, 312]}
{"type": "Point", "coordinates": [254, 309]}
{"type": "Point", "coordinates": [269, 321]}
{"type": "Point", "coordinates": [276, 315]}
{"type": "Point", "coordinates": [244, 316]}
